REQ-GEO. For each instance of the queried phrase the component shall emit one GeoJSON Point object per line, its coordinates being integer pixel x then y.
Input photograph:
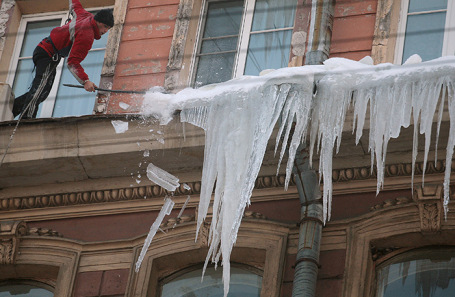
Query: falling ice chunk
{"type": "Point", "coordinates": [123, 105]}
{"type": "Point", "coordinates": [138, 181]}
{"type": "Point", "coordinates": [162, 178]}
{"type": "Point", "coordinates": [120, 126]}
{"type": "Point", "coordinates": [165, 210]}
{"type": "Point", "coordinates": [186, 187]}
{"type": "Point", "coordinates": [146, 153]}
{"type": "Point", "coordinates": [160, 140]}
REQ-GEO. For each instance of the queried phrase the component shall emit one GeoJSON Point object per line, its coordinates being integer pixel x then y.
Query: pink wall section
{"type": "Point", "coordinates": [144, 49]}
{"type": "Point", "coordinates": [353, 28]}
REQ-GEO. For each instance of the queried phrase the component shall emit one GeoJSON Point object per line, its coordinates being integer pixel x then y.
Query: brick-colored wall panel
{"type": "Point", "coordinates": [114, 282]}
{"type": "Point", "coordinates": [145, 3]}
{"type": "Point", "coordinates": [150, 22]}
{"type": "Point", "coordinates": [88, 284]}
{"type": "Point", "coordinates": [353, 33]}
{"type": "Point", "coordinates": [355, 7]}
{"type": "Point", "coordinates": [356, 56]}
{"type": "Point", "coordinates": [148, 56]}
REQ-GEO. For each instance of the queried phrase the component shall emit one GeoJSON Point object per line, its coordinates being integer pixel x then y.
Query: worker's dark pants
{"type": "Point", "coordinates": [41, 85]}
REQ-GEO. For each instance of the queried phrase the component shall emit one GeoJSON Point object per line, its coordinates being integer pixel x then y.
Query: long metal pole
{"type": "Point", "coordinates": [107, 90]}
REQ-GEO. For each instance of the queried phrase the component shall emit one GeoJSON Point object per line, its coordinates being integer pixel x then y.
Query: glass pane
{"type": "Point", "coordinates": [214, 69]}
{"type": "Point", "coordinates": [223, 18]}
{"type": "Point", "coordinates": [426, 5]}
{"type": "Point", "coordinates": [423, 278]}
{"type": "Point", "coordinates": [243, 284]}
{"type": "Point", "coordinates": [219, 45]}
{"type": "Point", "coordinates": [23, 291]}
{"type": "Point", "coordinates": [24, 77]}
{"type": "Point", "coordinates": [34, 33]}
{"type": "Point", "coordinates": [268, 51]}
{"type": "Point", "coordinates": [424, 40]}
{"type": "Point", "coordinates": [273, 14]}
{"type": "Point", "coordinates": [75, 102]}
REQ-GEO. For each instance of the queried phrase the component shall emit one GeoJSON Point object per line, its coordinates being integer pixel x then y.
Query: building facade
{"type": "Point", "coordinates": [75, 203]}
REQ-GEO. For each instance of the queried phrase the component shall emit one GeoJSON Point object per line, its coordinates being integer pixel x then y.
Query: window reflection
{"type": "Point", "coordinates": [24, 291]}
{"type": "Point", "coordinates": [422, 274]}
{"type": "Point", "coordinates": [243, 283]}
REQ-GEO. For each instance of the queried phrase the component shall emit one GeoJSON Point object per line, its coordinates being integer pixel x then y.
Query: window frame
{"type": "Point", "coordinates": [48, 105]}
{"type": "Point", "coordinates": [448, 46]}
{"type": "Point", "coordinates": [242, 43]}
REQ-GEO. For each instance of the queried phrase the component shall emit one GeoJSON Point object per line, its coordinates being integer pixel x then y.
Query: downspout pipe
{"type": "Point", "coordinates": [310, 230]}
{"type": "Point", "coordinates": [320, 34]}
{"type": "Point", "coordinates": [306, 179]}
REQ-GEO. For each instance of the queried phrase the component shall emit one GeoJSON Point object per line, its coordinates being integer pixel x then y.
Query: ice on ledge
{"type": "Point", "coordinates": [239, 115]}
{"type": "Point", "coordinates": [120, 126]}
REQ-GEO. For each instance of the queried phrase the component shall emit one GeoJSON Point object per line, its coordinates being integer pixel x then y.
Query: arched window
{"type": "Point", "coordinates": [420, 273]}
{"type": "Point", "coordinates": [25, 288]}
{"type": "Point", "coordinates": [243, 283]}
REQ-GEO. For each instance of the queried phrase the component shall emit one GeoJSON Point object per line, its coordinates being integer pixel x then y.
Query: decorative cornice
{"type": "Point", "coordinates": [393, 170]}
{"type": "Point", "coordinates": [429, 201]}
{"type": "Point", "coordinates": [154, 191]}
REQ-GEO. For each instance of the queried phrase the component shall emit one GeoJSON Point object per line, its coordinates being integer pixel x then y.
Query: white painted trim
{"type": "Point", "coordinates": [448, 48]}
{"type": "Point", "coordinates": [198, 41]}
{"type": "Point", "coordinates": [244, 38]}
{"type": "Point", "coordinates": [401, 32]}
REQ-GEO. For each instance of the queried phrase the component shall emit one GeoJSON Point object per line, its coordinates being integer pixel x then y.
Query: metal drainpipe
{"type": "Point", "coordinates": [310, 233]}
{"type": "Point", "coordinates": [307, 262]}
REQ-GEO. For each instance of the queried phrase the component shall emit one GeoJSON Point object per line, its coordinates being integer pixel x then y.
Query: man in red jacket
{"type": "Point", "coordinates": [72, 40]}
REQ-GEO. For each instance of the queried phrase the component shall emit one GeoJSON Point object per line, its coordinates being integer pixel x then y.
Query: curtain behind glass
{"type": "Point", "coordinates": [270, 50]}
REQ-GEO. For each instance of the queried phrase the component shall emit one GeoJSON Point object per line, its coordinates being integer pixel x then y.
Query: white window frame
{"type": "Point", "coordinates": [48, 105]}
{"type": "Point", "coordinates": [243, 42]}
{"type": "Point", "coordinates": [448, 46]}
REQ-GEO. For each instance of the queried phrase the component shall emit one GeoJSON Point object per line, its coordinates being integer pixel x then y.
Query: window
{"type": "Point", "coordinates": [432, 40]}
{"type": "Point", "coordinates": [25, 289]}
{"type": "Point", "coordinates": [254, 35]}
{"type": "Point", "coordinates": [62, 101]}
{"type": "Point", "coordinates": [244, 283]}
{"type": "Point", "coordinates": [429, 273]}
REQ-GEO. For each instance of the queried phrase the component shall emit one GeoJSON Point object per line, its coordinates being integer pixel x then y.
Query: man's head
{"type": "Point", "coordinates": [105, 20]}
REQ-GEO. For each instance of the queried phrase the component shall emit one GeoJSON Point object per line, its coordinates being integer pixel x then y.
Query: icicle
{"type": "Point", "coordinates": [239, 115]}
{"type": "Point", "coordinates": [165, 210]}
{"type": "Point", "coordinates": [162, 178]}
{"type": "Point", "coordinates": [120, 126]}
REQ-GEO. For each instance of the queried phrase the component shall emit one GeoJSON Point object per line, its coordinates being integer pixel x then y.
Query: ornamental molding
{"type": "Point", "coordinates": [429, 200]}
{"type": "Point", "coordinates": [140, 193]}
{"type": "Point", "coordinates": [11, 233]}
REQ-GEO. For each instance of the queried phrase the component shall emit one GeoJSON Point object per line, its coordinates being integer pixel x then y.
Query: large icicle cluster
{"type": "Point", "coordinates": [239, 116]}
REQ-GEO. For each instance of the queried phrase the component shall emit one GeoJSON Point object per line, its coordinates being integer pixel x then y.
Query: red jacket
{"type": "Point", "coordinates": [76, 36]}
